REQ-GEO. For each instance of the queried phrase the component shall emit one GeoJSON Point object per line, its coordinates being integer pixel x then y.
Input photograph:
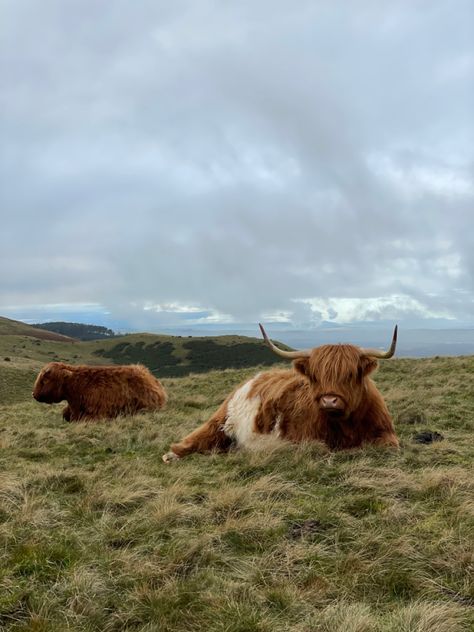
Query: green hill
{"type": "Point", "coordinates": [10, 327]}
{"type": "Point", "coordinates": [168, 356]}
{"type": "Point", "coordinates": [97, 533]}
{"type": "Point", "coordinates": [165, 356]}
{"type": "Point", "coordinates": [80, 331]}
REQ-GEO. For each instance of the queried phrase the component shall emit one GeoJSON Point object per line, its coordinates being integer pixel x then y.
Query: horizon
{"type": "Point", "coordinates": [412, 342]}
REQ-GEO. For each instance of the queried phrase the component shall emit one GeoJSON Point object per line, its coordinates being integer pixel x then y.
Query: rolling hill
{"type": "Point", "coordinates": [10, 327]}
{"type": "Point", "coordinates": [165, 356]}
{"type": "Point", "coordinates": [79, 331]}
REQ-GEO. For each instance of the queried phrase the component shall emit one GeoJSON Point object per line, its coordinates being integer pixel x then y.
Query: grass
{"type": "Point", "coordinates": [96, 533]}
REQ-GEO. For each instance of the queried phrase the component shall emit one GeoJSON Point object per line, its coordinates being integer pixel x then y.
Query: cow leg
{"type": "Point", "coordinates": [388, 440]}
{"type": "Point", "coordinates": [73, 414]}
{"type": "Point", "coordinates": [209, 436]}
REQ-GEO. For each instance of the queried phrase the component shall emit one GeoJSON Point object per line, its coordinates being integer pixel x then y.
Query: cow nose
{"type": "Point", "coordinates": [331, 402]}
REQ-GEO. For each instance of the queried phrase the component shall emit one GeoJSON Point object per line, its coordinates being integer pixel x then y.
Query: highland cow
{"type": "Point", "coordinates": [98, 392]}
{"type": "Point", "coordinates": [328, 396]}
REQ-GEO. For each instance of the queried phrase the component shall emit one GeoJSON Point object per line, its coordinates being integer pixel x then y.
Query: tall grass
{"type": "Point", "coordinates": [96, 533]}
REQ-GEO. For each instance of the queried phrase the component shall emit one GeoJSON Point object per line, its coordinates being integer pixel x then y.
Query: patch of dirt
{"type": "Point", "coordinates": [427, 436]}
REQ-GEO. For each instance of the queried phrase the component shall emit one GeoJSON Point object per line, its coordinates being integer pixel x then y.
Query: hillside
{"type": "Point", "coordinates": [165, 356]}
{"type": "Point", "coordinates": [96, 533]}
{"type": "Point", "coordinates": [10, 327]}
{"type": "Point", "coordinates": [79, 331]}
{"type": "Point", "coordinates": [173, 356]}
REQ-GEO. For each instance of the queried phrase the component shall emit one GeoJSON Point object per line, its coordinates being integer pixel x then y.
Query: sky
{"type": "Point", "coordinates": [181, 163]}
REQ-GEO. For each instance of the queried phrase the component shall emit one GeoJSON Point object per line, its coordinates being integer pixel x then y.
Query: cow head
{"type": "Point", "coordinates": [337, 373]}
{"type": "Point", "coordinates": [50, 383]}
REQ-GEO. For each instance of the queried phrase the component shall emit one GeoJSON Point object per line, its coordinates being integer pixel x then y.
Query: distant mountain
{"type": "Point", "coordinates": [80, 331]}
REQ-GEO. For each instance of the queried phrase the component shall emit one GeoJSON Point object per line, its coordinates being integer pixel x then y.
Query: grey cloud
{"type": "Point", "coordinates": [237, 157]}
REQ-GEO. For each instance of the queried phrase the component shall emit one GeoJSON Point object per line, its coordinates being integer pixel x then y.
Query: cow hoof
{"type": "Point", "coordinates": [170, 456]}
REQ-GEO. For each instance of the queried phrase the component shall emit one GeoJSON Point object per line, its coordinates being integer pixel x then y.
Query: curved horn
{"type": "Point", "coordinates": [376, 353]}
{"type": "Point", "coordinates": [289, 355]}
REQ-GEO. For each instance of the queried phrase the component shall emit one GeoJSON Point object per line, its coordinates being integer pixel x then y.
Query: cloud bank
{"type": "Point", "coordinates": [229, 161]}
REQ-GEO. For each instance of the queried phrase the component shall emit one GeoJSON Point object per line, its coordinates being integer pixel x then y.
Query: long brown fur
{"type": "Point", "coordinates": [98, 392]}
{"type": "Point", "coordinates": [290, 403]}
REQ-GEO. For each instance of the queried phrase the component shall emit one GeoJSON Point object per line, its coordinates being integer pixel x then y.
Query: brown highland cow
{"type": "Point", "coordinates": [328, 396]}
{"type": "Point", "coordinates": [98, 392]}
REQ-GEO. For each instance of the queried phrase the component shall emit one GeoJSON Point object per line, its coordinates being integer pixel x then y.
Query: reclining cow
{"type": "Point", "coordinates": [328, 396]}
{"type": "Point", "coordinates": [98, 392]}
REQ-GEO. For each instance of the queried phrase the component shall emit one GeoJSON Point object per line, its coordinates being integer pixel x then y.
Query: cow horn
{"type": "Point", "coordinates": [289, 355]}
{"type": "Point", "coordinates": [376, 353]}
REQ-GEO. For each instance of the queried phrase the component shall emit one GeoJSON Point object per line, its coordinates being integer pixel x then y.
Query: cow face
{"type": "Point", "coordinates": [49, 386]}
{"type": "Point", "coordinates": [337, 374]}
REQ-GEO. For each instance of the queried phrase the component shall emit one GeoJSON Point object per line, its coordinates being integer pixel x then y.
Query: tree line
{"type": "Point", "coordinates": [77, 330]}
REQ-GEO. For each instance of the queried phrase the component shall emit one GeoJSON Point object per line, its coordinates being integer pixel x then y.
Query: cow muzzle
{"type": "Point", "coordinates": [332, 405]}
{"type": "Point", "coordinates": [43, 398]}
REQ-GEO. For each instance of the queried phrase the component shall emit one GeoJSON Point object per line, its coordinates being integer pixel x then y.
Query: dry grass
{"type": "Point", "coordinates": [96, 533]}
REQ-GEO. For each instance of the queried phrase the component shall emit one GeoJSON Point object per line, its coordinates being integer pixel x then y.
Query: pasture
{"type": "Point", "coordinates": [97, 533]}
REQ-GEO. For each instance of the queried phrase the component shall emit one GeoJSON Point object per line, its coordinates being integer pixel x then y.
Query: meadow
{"type": "Point", "coordinates": [97, 533]}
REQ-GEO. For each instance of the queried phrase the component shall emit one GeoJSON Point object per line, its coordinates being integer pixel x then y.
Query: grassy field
{"type": "Point", "coordinates": [96, 533]}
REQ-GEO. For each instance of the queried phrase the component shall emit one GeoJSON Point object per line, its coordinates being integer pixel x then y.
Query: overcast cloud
{"type": "Point", "coordinates": [213, 161]}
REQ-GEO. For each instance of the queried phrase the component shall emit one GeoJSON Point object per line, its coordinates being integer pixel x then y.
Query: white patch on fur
{"type": "Point", "coordinates": [241, 414]}
{"type": "Point", "coordinates": [276, 428]}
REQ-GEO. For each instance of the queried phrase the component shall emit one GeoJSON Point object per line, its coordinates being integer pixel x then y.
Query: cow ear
{"type": "Point", "coordinates": [301, 365]}
{"type": "Point", "coordinates": [367, 365]}
{"type": "Point", "coordinates": [63, 370]}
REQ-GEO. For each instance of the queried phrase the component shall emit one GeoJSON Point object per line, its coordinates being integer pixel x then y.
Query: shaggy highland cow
{"type": "Point", "coordinates": [98, 392]}
{"type": "Point", "coordinates": [328, 396]}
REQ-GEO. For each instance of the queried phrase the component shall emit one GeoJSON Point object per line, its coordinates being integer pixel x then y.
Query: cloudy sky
{"type": "Point", "coordinates": [211, 162]}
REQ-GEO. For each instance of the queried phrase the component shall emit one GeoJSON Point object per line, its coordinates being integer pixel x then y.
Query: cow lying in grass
{"type": "Point", "coordinates": [328, 396]}
{"type": "Point", "coordinates": [98, 392]}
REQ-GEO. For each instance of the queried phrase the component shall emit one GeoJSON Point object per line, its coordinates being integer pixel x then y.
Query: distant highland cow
{"type": "Point", "coordinates": [98, 392]}
{"type": "Point", "coordinates": [328, 396]}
